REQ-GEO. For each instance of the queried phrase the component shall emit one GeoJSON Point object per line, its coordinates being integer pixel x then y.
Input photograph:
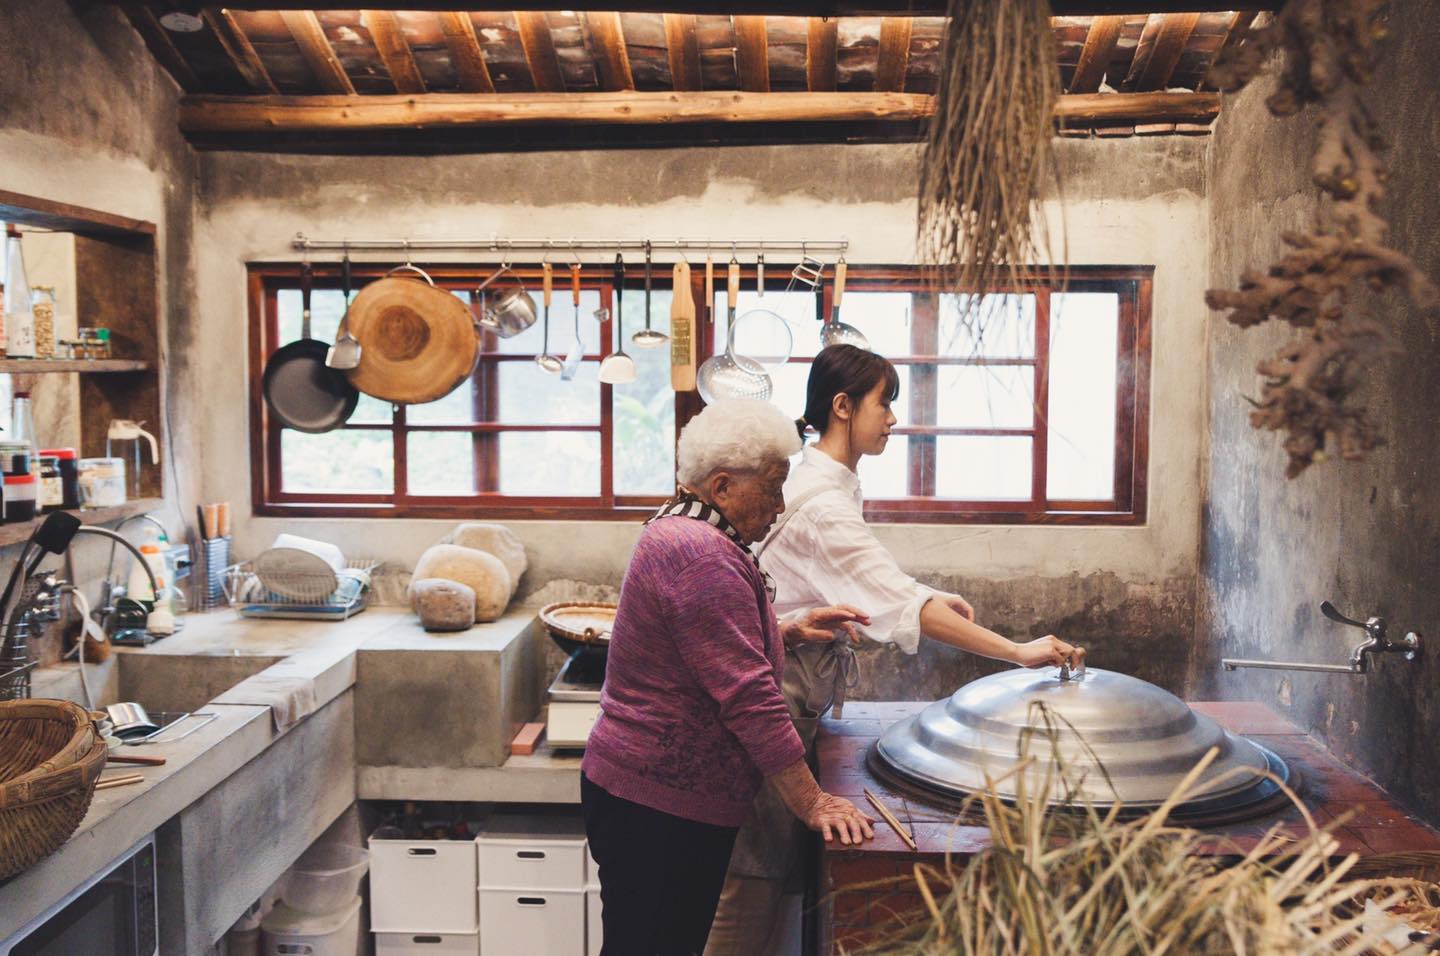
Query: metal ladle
{"type": "Point", "coordinates": [577, 347]}
{"type": "Point", "coordinates": [648, 338]}
{"type": "Point", "coordinates": [729, 375]}
{"type": "Point", "coordinates": [618, 368]}
{"type": "Point", "coordinates": [345, 352]}
{"type": "Point", "coordinates": [545, 360]}
{"type": "Point", "coordinates": [835, 332]}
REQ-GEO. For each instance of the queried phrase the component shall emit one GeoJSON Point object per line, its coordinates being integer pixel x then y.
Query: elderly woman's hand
{"type": "Point", "coordinates": [834, 816]}
{"type": "Point", "coordinates": [823, 624]}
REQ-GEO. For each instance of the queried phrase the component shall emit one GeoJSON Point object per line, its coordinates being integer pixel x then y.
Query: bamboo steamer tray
{"type": "Point", "coordinates": [50, 759]}
{"type": "Point", "coordinates": [579, 624]}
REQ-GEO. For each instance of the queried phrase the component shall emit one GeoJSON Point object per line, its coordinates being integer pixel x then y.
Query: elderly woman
{"type": "Point", "coordinates": [692, 719]}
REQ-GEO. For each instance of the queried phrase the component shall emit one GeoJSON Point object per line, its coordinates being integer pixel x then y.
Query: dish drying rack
{"type": "Point", "coordinates": [312, 598]}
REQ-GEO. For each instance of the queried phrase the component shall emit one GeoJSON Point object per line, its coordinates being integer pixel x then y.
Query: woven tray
{"type": "Point", "coordinates": [584, 622]}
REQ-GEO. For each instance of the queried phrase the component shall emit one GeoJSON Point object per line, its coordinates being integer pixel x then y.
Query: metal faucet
{"type": "Point", "coordinates": [1376, 641]}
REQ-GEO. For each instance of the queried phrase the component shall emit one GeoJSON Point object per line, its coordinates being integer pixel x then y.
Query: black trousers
{"type": "Point", "coordinates": [660, 875]}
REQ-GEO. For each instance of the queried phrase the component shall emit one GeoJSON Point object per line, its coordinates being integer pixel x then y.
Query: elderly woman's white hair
{"type": "Point", "coordinates": [734, 434]}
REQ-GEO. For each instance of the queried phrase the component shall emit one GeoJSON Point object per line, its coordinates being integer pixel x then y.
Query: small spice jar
{"type": "Point", "coordinates": [102, 482]}
{"type": "Point", "coordinates": [20, 497]}
{"type": "Point", "coordinates": [91, 343]}
{"type": "Point", "coordinates": [67, 478]}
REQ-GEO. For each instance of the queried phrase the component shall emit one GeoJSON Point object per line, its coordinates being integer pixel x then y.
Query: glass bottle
{"type": "Point", "coordinates": [22, 429]}
{"type": "Point", "coordinates": [19, 314]}
{"type": "Point", "coordinates": [43, 307]}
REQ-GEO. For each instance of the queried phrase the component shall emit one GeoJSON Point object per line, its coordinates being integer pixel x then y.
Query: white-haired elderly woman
{"type": "Point", "coordinates": [692, 718]}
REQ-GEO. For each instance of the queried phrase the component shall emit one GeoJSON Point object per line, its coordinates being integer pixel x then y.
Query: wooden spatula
{"type": "Point", "coordinates": [682, 330]}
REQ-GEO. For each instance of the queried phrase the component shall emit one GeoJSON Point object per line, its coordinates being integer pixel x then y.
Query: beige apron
{"type": "Point", "coordinates": [816, 676]}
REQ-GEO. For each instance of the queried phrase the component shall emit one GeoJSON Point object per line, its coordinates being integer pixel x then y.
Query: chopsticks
{"type": "Point", "coordinates": [891, 819]}
{"type": "Point", "coordinates": [147, 761]}
{"type": "Point", "coordinates": [120, 780]}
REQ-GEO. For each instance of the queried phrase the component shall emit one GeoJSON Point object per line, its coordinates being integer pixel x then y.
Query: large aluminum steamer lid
{"type": "Point", "coordinates": [1146, 738]}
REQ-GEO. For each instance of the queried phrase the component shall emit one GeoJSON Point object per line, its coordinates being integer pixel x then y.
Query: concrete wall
{"type": "Point", "coordinates": [1363, 535]}
{"type": "Point", "coordinates": [87, 117]}
{"type": "Point", "coordinates": [1128, 589]}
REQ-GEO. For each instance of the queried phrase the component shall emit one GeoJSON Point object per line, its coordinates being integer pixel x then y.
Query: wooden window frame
{"type": "Point", "coordinates": [1133, 284]}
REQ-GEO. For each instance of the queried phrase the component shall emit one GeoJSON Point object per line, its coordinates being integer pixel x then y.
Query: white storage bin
{"type": "Point", "coordinates": [423, 886]}
{"type": "Point", "coordinates": [594, 929]}
{"type": "Point", "coordinates": [532, 922]}
{"type": "Point", "coordinates": [289, 932]}
{"type": "Point", "coordinates": [532, 853]}
{"type": "Point", "coordinates": [427, 944]}
{"type": "Point", "coordinates": [325, 878]}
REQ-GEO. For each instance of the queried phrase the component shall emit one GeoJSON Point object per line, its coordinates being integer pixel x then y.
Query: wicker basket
{"type": "Point", "coordinates": [50, 759]}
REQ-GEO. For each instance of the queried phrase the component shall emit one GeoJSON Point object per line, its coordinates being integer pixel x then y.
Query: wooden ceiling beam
{"type": "Point", "coordinates": [752, 54]}
{"type": "Point", "coordinates": [394, 51]}
{"type": "Point", "coordinates": [470, 68]}
{"type": "Point", "coordinates": [315, 48]}
{"type": "Point", "coordinates": [684, 49]}
{"type": "Point", "coordinates": [1095, 56]}
{"type": "Point", "coordinates": [238, 48]}
{"type": "Point", "coordinates": [540, 51]}
{"type": "Point", "coordinates": [894, 55]}
{"type": "Point", "coordinates": [611, 56]}
{"type": "Point", "coordinates": [1239, 25]}
{"type": "Point", "coordinates": [795, 8]}
{"type": "Point", "coordinates": [821, 47]}
{"type": "Point", "coordinates": [1152, 70]}
{"type": "Point", "coordinates": [275, 114]}
{"type": "Point", "coordinates": [157, 38]}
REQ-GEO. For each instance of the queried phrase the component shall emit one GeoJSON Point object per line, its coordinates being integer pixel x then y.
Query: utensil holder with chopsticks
{"type": "Point", "coordinates": [213, 558]}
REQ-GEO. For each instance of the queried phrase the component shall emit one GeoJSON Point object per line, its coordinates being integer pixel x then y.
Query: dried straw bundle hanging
{"type": "Point", "coordinates": [989, 148]}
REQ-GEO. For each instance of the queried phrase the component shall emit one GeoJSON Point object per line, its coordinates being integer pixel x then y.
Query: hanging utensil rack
{"type": "Point", "coordinates": [498, 245]}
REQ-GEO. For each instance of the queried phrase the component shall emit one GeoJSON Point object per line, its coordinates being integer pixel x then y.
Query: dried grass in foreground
{"type": "Point", "coordinates": [1079, 881]}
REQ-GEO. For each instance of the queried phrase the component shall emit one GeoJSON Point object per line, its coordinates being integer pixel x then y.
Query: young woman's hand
{"type": "Point", "coordinates": [1048, 651]}
{"type": "Point", "coordinates": [823, 624]}
{"type": "Point", "coordinates": [833, 816]}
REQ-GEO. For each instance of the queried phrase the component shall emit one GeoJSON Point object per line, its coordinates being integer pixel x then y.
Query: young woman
{"type": "Point", "coordinates": [821, 552]}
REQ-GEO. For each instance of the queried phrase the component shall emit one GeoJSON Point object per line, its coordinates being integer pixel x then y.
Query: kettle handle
{"type": "Point", "coordinates": [407, 267]}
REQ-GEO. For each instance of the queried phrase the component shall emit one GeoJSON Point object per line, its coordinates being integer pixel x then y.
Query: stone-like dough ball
{"type": "Point", "coordinates": [484, 573]}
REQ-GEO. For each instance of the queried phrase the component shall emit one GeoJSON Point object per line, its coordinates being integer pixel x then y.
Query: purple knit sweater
{"type": "Point", "coordinates": [693, 719]}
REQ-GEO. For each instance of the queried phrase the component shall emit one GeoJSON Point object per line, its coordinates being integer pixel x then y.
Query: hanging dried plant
{"type": "Point", "coordinates": [988, 150]}
{"type": "Point", "coordinates": [1309, 386]}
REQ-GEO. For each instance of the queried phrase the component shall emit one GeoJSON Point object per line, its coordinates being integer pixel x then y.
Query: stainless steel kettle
{"type": "Point", "coordinates": [509, 313]}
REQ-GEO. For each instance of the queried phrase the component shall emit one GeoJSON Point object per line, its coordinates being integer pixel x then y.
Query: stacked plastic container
{"type": "Point", "coordinates": [532, 885]}
{"type": "Point", "coordinates": [519, 887]}
{"type": "Point", "coordinates": [319, 912]}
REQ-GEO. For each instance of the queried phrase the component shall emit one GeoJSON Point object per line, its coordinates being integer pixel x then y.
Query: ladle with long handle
{"type": "Point", "coordinates": [618, 368]}
{"type": "Point", "coordinates": [545, 360]}
{"type": "Point", "coordinates": [345, 353]}
{"type": "Point", "coordinates": [577, 347]}
{"type": "Point", "coordinates": [835, 332]}
{"type": "Point", "coordinates": [648, 338]}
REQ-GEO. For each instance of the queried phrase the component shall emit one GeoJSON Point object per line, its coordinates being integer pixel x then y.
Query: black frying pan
{"type": "Point", "coordinates": [304, 393]}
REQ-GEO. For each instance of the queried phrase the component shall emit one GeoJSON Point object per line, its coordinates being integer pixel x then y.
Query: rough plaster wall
{"type": "Point", "coordinates": [1364, 535]}
{"type": "Point", "coordinates": [87, 117]}
{"type": "Point", "coordinates": [1126, 591]}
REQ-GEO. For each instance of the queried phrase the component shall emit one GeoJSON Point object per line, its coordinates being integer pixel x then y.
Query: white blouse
{"type": "Point", "coordinates": [822, 552]}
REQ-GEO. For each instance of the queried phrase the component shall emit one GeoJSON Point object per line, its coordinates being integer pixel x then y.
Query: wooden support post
{"type": "Point", "coordinates": [752, 54]}
{"type": "Point", "coordinates": [820, 51]}
{"type": "Point", "coordinates": [894, 55]}
{"type": "Point", "coordinates": [684, 50]}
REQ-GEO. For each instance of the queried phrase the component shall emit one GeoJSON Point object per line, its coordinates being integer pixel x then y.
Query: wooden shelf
{"type": "Point", "coordinates": [63, 217]}
{"type": "Point", "coordinates": [18, 532]}
{"type": "Point", "coordinates": [41, 366]}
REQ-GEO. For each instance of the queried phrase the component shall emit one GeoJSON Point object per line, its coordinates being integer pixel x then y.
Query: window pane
{"type": "Point", "coordinates": [1083, 344]}
{"type": "Point", "coordinates": [562, 320]}
{"type": "Point", "coordinates": [788, 393]}
{"type": "Point", "coordinates": [345, 460]}
{"type": "Point", "coordinates": [456, 408]}
{"type": "Point", "coordinates": [440, 463]}
{"type": "Point", "coordinates": [977, 468]}
{"type": "Point", "coordinates": [986, 396]}
{"type": "Point", "coordinates": [883, 318]}
{"type": "Point", "coordinates": [556, 464]}
{"type": "Point", "coordinates": [326, 307]}
{"type": "Point", "coordinates": [644, 440]}
{"type": "Point", "coordinates": [529, 395]}
{"type": "Point", "coordinates": [370, 410]}
{"type": "Point", "coordinates": [995, 326]}
{"type": "Point", "coordinates": [887, 475]}
{"type": "Point", "coordinates": [796, 308]}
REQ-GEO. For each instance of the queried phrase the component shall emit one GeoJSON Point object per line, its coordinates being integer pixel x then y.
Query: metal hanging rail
{"type": "Point", "coordinates": [496, 244]}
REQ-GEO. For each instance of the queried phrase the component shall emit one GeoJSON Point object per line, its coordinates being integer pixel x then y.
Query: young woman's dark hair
{"type": "Point", "coordinates": [843, 368]}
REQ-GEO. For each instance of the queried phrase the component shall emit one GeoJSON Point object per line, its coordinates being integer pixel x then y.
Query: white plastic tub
{"type": "Point", "coordinates": [325, 878]}
{"type": "Point", "coordinates": [289, 932]}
